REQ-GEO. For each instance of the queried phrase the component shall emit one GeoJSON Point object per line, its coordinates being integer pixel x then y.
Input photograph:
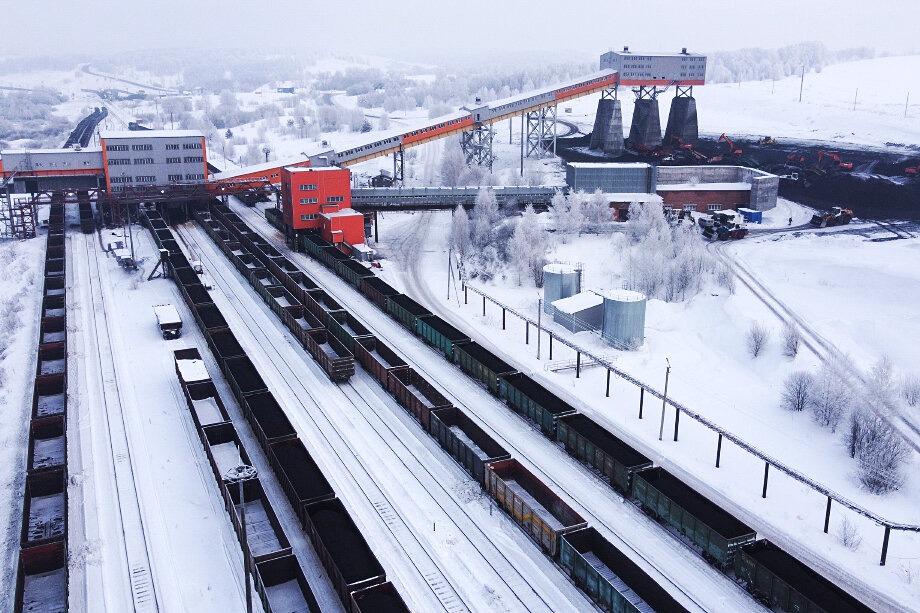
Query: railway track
{"type": "Point", "coordinates": [144, 589]}
{"type": "Point", "coordinates": [738, 599]}
{"type": "Point", "coordinates": [361, 468]}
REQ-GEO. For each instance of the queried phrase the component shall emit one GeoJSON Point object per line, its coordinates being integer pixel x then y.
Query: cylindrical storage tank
{"type": "Point", "coordinates": [624, 318]}
{"type": "Point", "coordinates": [559, 281]}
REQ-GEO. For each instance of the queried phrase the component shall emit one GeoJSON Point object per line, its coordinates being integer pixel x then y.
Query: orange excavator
{"type": "Point", "coordinates": [913, 171]}
{"type": "Point", "coordinates": [731, 145]}
{"type": "Point", "coordinates": [836, 158]}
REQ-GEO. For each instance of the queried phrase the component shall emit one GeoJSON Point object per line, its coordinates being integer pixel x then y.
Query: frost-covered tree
{"type": "Point", "coordinates": [567, 214]}
{"type": "Point", "coordinates": [791, 340]}
{"type": "Point", "coordinates": [797, 391]}
{"type": "Point", "coordinates": [597, 210]}
{"type": "Point", "coordinates": [757, 337]}
{"type": "Point", "coordinates": [384, 122]}
{"type": "Point", "coordinates": [452, 163]}
{"type": "Point", "coordinates": [830, 399]}
{"type": "Point", "coordinates": [529, 246]}
{"type": "Point", "coordinates": [910, 390]}
{"type": "Point", "coordinates": [460, 233]}
{"type": "Point", "coordinates": [485, 218]}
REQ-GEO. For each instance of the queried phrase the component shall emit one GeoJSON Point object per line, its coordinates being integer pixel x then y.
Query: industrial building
{"type": "Point", "coordinates": [153, 157]}
{"type": "Point", "coordinates": [320, 199]}
{"type": "Point", "coordinates": [699, 189]}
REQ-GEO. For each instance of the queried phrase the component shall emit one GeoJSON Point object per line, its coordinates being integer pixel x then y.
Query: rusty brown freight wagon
{"type": "Point", "coordinates": [301, 479]}
{"type": "Point", "coordinates": [540, 512]}
{"type": "Point", "coordinates": [283, 588]}
{"type": "Point", "coordinates": [377, 359]}
{"type": "Point", "coordinates": [331, 354]}
{"type": "Point", "coordinates": [380, 598]}
{"type": "Point", "coordinates": [416, 394]}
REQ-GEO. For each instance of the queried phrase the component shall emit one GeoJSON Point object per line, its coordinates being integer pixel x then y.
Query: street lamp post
{"type": "Point", "coordinates": [239, 475]}
{"type": "Point", "coordinates": [664, 399]}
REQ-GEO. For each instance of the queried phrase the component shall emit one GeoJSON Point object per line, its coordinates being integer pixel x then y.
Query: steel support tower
{"type": "Point", "coordinates": [477, 146]}
{"type": "Point", "coordinates": [541, 132]}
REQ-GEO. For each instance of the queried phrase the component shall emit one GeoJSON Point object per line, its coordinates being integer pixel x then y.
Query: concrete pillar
{"type": "Point", "coordinates": [608, 127]}
{"type": "Point", "coordinates": [646, 126]}
{"type": "Point", "coordinates": [682, 121]}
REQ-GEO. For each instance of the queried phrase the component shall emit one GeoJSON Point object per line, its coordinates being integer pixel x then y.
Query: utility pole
{"type": "Point", "coordinates": [906, 102]}
{"type": "Point", "coordinates": [664, 399]}
{"type": "Point", "coordinates": [539, 321]}
{"type": "Point", "coordinates": [802, 84]}
{"type": "Point", "coordinates": [448, 273]}
{"type": "Point", "coordinates": [522, 144]}
{"type": "Point", "coordinates": [241, 474]}
{"type": "Point", "coordinates": [855, 96]}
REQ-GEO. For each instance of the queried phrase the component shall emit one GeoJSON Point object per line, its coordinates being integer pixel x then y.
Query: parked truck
{"type": "Point", "coordinates": [837, 216]}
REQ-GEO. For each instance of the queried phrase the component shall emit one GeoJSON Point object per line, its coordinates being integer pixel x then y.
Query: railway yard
{"type": "Point", "coordinates": [391, 472]}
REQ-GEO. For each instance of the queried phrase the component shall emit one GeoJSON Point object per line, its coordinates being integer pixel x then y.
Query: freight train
{"type": "Point", "coordinates": [41, 576]}
{"type": "Point", "coordinates": [770, 574]}
{"type": "Point", "coordinates": [358, 578]}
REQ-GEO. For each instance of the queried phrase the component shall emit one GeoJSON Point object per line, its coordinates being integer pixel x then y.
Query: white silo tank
{"type": "Point", "coordinates": [624, 318]}
{"type": "Point", "coordinates": [559, 281]}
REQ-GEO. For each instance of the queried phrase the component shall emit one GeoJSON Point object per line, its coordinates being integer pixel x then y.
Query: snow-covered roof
{"type": "Point", "coordinates": [167, 314]}
{"type": "Point", "coordinates": [623, 295]}
{"type": "Point", "coordinates": [46, 151]}
{"type": "Point", "coordinates": [634, 197]}
{"type": "Point", "coordinates": [363, 248]}
{"type": "Point", "coordinates": [578, 302]}
{"type": "Point", "coordinates": [192, 370]}
{"type": "Point", "coordinates": [260, 167]}
{"type": "Point", "coordinates": [150, 133]}
{"type": "Point", "coordinates": [342, 213]}
{"type": "Point", "coordinates": [310, 168]}
{"type": "Point", "coordinates": [690, 187]}
{"type": "Point", "coordinates": [609, 165]}
{"type": "Point", "coordinates": [559, 269]}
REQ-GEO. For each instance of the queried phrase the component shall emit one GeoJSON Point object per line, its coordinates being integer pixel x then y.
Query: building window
{"type": "Point", "coordinates": [309, 200]}
{"type": "Point", "coordinates": [308, 188]}
{"type": "Point", "coordinates": [116, 147]}
{"type": "Point", "coordinates": [142, 147]}
{"type": "Point", "coordinates": [193, 158]}
{"type": "Point", "coordinates": [191, 145]}
{"type": "Point", "coordinates": [194, 177]}
{"type": "Point", "coordinates": [119, 161]}
{"type": "Point", "coordinates": [173, 160]}
{"type": "Point", "coordinates": [309, 217]}
{"type": "Point", "coordinates": [715, 207]}
{"type": "Point", "coordinates": [689, 207]}
{"type": "Point", "coordinates": [143, 160]}
{"type": "Point", "coordinates": [175, 177]}
{"type": "Point", "coordinates": [145, 179]}
{"type": "Point", "coordinates": [121, 179]}
{"type": "Point", "coordinates": [172, 146]}
{"type": "Point", "coordinates": [335, 199]}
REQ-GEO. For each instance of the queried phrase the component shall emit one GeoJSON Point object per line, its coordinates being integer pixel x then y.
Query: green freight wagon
{"type": "Point", "coordinates": [343, 326]}
{"type": "Point", "coordinates": [377, 290]}
{"type": "Point", "coordinates": [610, 578]}
{"type": "Point", "coordinates": [276, 218]}
{"type": "Point", "coordinates": [406, 311]}
{"type": "Point", "coordinates": [465, 441]}
{"type": "Point", "coordinates": [592, 444]}
{"type": "Point", "coordinates": [718, 533]}
{"type": "Point", "coordinates": [352, 271]}
{"type": "Point", "coordinates": [313, 244]}
{"type": "Point", "coordinates": [482, 364]}
{"type": "Point", "coordinates": [440, 334]}
{"type": "Point", "coordinates": [772, 574]}
{"type": "Point", "coordinates": [534, 401]}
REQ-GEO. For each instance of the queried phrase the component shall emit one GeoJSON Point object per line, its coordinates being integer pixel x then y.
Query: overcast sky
{"type": "Point", "coordinates": [570, 29]}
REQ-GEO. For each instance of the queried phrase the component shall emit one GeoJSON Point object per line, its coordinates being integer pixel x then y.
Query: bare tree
{"type": "Point", "coordinates": [797, 391]}
{"type": "Point", "coordinates": [791, 341]}
{"type": "Point", "coordinates": [880, 450]}
{"type": "Point", "coordinates": [848, 534]}
{"type": "Point", "coordinates": [910, 390]}
{"type": "Point", "coordinates": [830, 399]}
{"type": "Point", "coordinates": [757, 337]}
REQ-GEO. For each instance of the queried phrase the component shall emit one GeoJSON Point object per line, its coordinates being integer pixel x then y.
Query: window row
{"type": "Point", "coordinates": [309, 217]}
{"type": "Point", "coordinates": [309, 200]}
{"type": "Point", "coordinates": [308, 188]}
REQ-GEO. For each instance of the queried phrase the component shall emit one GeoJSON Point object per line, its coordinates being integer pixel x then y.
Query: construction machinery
{"type": "Point", "coordinates": [731, 145]}
{"type": "Point", "coordinates": [912, 170]}
{"type": "Point", "coordinates": [837, 216]}
{"type": "Point", "coordinates": [840, 164]}
{"type": "Point", "coordinates": [767, 140]}
{"type": "Point", "coordinates": [723, 226]}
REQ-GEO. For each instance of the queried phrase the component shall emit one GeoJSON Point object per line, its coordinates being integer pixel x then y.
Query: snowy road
{"type": "Point", "coordinates": [446, 550]}
{"type": "Point", "coordinates": [693, 581]}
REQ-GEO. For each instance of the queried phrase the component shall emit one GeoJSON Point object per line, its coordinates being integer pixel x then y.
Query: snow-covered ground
{"type": "Point", "coordinates": [20, 303]}
{"type": "Point", "coordinates": [842, 283]}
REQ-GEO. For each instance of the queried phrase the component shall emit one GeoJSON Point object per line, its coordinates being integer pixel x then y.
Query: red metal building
{"type": "Point", "coordinates": [320, 199]}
